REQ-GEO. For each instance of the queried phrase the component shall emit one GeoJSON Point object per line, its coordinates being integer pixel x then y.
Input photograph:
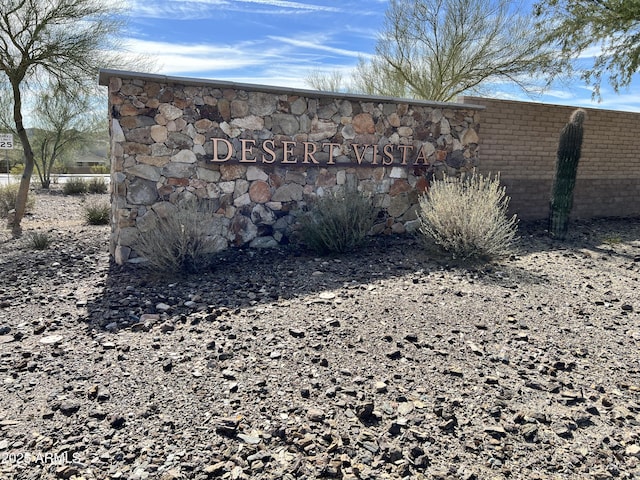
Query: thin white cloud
{"type": "Point", "coordinates": [316, 44]}
{"type": "Point", "coordinates": [201, 9]}
{"type": "Point", "coordinates": [293, 5]}
{"type": "Point", "coordinates": [175, 58]}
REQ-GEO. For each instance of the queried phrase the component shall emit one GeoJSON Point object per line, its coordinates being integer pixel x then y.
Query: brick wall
{"type": "Point", "coordinates": [520, 139]}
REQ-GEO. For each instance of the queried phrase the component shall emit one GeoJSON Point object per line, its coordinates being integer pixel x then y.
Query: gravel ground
{"type": "Point", "coordinates": [385, 364]}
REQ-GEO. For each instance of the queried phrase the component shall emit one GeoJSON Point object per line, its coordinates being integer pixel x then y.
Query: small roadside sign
{"type": "Point", "coordinates": [6, 141]}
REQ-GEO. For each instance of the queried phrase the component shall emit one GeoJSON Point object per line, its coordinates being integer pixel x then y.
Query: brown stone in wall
{"type": "Point", "coordinates": [178, 182]}
{"type": "Point", "coordinates": [232, 172]}
{"type": "Point", "coordinates": [399, 186]}
{"type": "Point", "coordinates": [422, 185]}
{"type": "Point", "coordinates": [363, 123]}
{"type": "Point", "coordinates": [326, 179]}
{"type": "Point", "coordinates": [260, 192]}
{"type": "Point", "coordinates": [130, 148]}
{"type": "Point", "coordinates": [127, 110]}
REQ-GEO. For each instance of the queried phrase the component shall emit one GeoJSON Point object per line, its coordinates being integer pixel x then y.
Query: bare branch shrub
{"type": "Point", "coordinates": [182, 240]}
{"type": "Point", "coordinates": [8, 195]}
{"type": "Point", "coordinates": [467, 218]}
{"type": "Point", "coordinates": [338, 222]}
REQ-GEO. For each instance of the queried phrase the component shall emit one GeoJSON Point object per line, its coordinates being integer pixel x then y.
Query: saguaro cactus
{"type": "Point", "coordinates": [569, 149]}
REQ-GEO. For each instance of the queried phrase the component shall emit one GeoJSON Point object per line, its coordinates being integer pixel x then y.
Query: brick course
{"type": "Point", "coordinates": [520, 139]}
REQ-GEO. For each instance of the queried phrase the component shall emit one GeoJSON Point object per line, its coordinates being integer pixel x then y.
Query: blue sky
{"type": "Point", "coordinates": [279, 42]}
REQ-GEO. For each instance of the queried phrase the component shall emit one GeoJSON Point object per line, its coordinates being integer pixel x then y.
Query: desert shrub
{"type": "Point", "coordinates": [337, 222]}
{"type": "Point", "coordinates": [181, 241]}
{"type": "Point", "coordinates": [39, 240]}
{"type": "Point", "coordinates": [8, 195]}
{"type": "Point", "coordinates": [17, 170]}
{"type": "Point", "coordinates": [467, 218]}
{"type": "Point", "coordinates": [101, 169]}
{"type": "Point", "coordinates": [97, 185]}
{"type": "Point", "coordinates": [75, 186]}
{"type": "Point", "coordinates": [97, 213]}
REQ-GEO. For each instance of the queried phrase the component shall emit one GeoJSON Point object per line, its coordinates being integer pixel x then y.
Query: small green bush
{"type": "Point", "coordinates": [97, 213]}
{"type": "Point", "coordinates": [75, 186]}
{"type": "Point", "coordinates": [467, 218]}
{"type": "Point", "coordinates": [97, 185]}
{"type": "Point", "coordinates": [39, 240]}
{"type": "Point", "coordinates": [102, 169]}
{"type": "Point", "coordinates": [8, 195]}
{"type": "Point", "coordinates": [337, 222]}
{"type": "Point", "coordinates": [180, 242]}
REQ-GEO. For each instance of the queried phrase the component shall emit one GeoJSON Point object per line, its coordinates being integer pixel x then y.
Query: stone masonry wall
{"type": "Point", "coordinates": [261, 154]}
{"type": "Point", "coordinates": [520, 140]}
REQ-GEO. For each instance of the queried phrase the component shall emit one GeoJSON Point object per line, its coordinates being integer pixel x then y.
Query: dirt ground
{"type": "Point", "coordinates": [384, 364]}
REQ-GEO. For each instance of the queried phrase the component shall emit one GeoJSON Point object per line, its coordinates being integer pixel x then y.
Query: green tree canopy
{"type": "Point", "coordinates": [610, 27]}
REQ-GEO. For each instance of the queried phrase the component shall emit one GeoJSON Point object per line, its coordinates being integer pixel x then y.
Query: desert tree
{"type": "Point", "coordinates": [55, 44]}
{"type": "Point", "coordinates": [63, 125]}
{"type": "Point", "coordinates": [326, 82]}
{"type": "Point", "coordinates": [611, 28]}
{"type": "Point", "coordinates": [439, 49]}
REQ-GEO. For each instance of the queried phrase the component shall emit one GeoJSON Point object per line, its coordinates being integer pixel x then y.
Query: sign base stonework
{"type": "Point", "coordinates": [259, 154]}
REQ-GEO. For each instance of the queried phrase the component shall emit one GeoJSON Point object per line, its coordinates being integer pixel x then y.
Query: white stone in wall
{"type": "Point", "coordinates": [276, 206]}
{"type": "Point", "coordinates": [184, 156]}
{"type": "Point", "coordinates": [169, 111]}
{"type": "Point", "coordinates": [398, 172]}
{"type": "Point", "coordinates": [469, 136]}
{"type": "Point", "coordinates": [251, 122]}
{"type": "Point", "coordinates": [348, 132]}
{"type": "Point", "coordinates": [242, 187]}
{"type": "Point", "coordinates": [321, 130]}
{"type": "Point", "coordinates": [261, 215]}
{"type": "Point", "coordinates": [227, 187]}
{"type": "Point", "coordinates": [242, 200]}
{"type": "Point", "coordinates": [405, 131]}
{"type": "Point", "coordinates": [341, 177]}
{"type": "Point", "coordinates": [445, 127]}
{"type": "Point", "coordinates": [159, 133]}
{"type": "Point", "coordinates": [230, 130]}
{"type": "Point", "coordinates": [117, 135]}
{"type": "Point", "coordinates": [255, 173]}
